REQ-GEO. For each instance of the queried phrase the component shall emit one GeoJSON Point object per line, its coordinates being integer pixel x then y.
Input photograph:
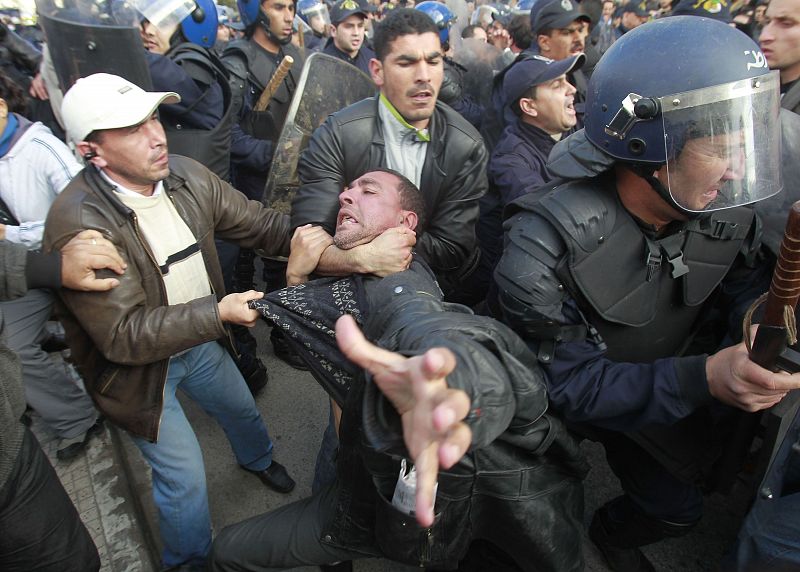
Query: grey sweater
{"type": "Point", "coordinates": [19, 269]}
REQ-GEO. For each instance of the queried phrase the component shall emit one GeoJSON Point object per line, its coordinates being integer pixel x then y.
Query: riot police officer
{"type": "Point", "coordinates": [180, 60]}
{"type": "Point", "coordinates": [315, 14]}
{"type": "Point", "coordinates": [610, 275]}
{"type": "Point", "coordinates": [251, 62]}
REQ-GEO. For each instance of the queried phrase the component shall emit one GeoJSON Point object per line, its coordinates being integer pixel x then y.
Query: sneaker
{"type": "Point", "coordinates": [70, 448]}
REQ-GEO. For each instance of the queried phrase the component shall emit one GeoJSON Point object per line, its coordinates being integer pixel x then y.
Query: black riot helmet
{"type": "Point", "coordinates": [691, 94]}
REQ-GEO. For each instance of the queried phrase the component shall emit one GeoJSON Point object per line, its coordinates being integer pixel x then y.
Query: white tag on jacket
{"type": "Point", "coordinates": [405, 491]}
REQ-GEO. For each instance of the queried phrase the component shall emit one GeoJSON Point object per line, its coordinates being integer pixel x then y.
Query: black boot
{"type": "Point", "coordinates": [252, 369]}
{"type": "Point", "coordinates": [619, 528]}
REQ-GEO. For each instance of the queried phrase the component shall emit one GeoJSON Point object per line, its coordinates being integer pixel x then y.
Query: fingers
{"type": "Point", "coordinates": [100, 284]}
{"type": "Point", "coordinates": [234, 308]}
{"type": "Point", "coordinates": [452, 408]}
{"type": "Point", "coordinates": [360, 351]}
{"type": "Point", "coordinates": [427, 466]}
{"type": "Point", "coordinates": [438, 362]}
{"type": "Point", "coordinates": [251, 295]}
{"type": "Point", "coordinates": [455, 445]}
{"type": "Point", "coordinates": [102, 251]}
{"type": "Point", "coordinates": [446, 453]}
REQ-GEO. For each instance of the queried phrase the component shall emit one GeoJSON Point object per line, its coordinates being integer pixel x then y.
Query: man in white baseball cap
{"type": "Point", "coordinates": [164, 326]}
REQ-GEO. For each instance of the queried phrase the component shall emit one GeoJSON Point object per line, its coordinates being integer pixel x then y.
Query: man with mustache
{"type": "Point", "coordinates": [780, 43]}
{"type": "Point", "coordinates": [488, 374]}
{"type": "Point", "coordinates": [405, 129]}
{"type": "Point", "coordinates": [557, 30]}
{"type": "Point", "coordinates": [165, 326]}
{"type": "Point", "coordinates": [543, 100]}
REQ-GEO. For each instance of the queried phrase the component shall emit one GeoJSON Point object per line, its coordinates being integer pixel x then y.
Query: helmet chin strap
{"type": "Point", "coordinates": [647, 172]}
{"type": "Point", "coordinates": [263, 21]}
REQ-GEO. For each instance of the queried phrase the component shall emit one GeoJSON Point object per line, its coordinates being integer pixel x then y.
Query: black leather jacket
{"type": "Point", "coordinates": [18, 59]}
{"type": "Point", "coordinates": [519, 486]}
{"type": "Point", "coordinates": [350, 143]}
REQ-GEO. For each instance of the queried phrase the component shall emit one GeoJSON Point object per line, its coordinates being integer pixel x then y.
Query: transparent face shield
{"type": "Point", "coordinates": [98, 12]}
{"type": "Point", "coordinates": [723, 144]}
{"type": "Point", "coordinates": [318, 18]}
{"type": "Point", "coordinates": [164, 14]}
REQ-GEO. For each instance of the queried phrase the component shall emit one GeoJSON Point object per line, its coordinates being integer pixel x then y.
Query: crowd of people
{"type": "Point", "coordinates": [547, 224]}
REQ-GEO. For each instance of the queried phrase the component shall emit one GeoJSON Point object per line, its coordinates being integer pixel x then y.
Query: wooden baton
{"type": "Point", "coordinates": [275, 81]}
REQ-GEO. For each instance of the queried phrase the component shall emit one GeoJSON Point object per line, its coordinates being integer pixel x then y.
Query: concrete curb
{"type": "Point", "coordinates": [100, 485]}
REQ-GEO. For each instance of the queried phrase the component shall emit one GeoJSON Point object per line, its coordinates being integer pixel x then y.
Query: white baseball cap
{"type": "Point", "coordinates": [106, 101]}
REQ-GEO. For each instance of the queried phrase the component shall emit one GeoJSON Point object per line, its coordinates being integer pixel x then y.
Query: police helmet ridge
{"type": "Point", "coordinates": [441, 16]}
{"type": "Point", "coordinates": [200, 26]}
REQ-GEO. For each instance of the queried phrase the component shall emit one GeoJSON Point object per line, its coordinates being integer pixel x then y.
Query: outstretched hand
{"type": "Point", "coordinates": [432, 414]}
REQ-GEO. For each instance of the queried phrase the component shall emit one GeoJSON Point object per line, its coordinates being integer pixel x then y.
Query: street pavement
{"type": "Point", "coordinates": [110, 483]}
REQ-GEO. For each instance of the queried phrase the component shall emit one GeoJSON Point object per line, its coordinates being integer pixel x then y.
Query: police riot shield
{"type": "Point", "coordinates": [326, 85]}
{"type": "Point", "coordinates": [91, 36]}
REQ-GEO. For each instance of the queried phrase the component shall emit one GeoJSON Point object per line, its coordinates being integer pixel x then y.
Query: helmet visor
{"type": "Point", "coordinates": [723, 144]}
{"type": "Point", "coordinates": [318, 18]}
{"type": "Point", "coordinates": [165, 14]}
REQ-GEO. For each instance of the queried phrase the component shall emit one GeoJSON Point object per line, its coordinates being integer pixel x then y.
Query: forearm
{"type": "Point", "coordinates": [586, 387]}
{"type": "Point", "coordinates": [22, 269]}
{"type": "Point", "coordinates": [337, 262]}
{"type": "Point", "coordinates": [43, 270]}
{"type": "Point", "coordinates": [136, 334]}
{"type": "Point", "coordinates": [248, 152]}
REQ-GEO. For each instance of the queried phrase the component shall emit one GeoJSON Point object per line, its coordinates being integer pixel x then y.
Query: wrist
{"type": "Point", "coordinates": [361, 259]}
{"type": "Point", "coordinates": [293, 278]}
{"type": "Point", "coordinates": [221, 312]}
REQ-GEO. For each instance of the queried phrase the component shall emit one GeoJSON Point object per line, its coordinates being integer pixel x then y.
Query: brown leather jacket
{"type": "Point", "coordinates": [122, 340]}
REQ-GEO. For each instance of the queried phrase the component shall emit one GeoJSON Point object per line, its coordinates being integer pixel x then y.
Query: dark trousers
{"type": "Point", "coordinates": [649, 487]}
{"type": "Point", "coordinates": [285, 538]}
{"type": "Point", "coordinates": [39, 526]}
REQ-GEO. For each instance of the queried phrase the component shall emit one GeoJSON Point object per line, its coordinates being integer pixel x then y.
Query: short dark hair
{"type": "Point", "coordinates": [13, 95]}
{"type": "Point", "coordinates": [529, 94]}
{"type": "Point", "coordinates": [400, 22]}
{"type": "Point", "coordinates": [411, 198]}
{"type": "Point", "coordinates": [519, 28]}
{"type": "Point", "coordinates": [469, 31]}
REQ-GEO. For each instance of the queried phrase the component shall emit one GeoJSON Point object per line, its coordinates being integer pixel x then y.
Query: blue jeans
{"type": "Point", "coordinates": [207, 374]}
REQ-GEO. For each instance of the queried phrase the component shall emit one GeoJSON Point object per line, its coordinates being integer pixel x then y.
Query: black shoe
{"type": "Point", "coordinates": [285, 353]}
{"type": "Point", "coordinates": [618, 559]}
{"type": "Point", "coordinates": [54, 343]}
{"type": "Point", "coordinates": [253, 372]}
{"type": "Point", "coordinates": [343, 566]}
{"type": "Point", "coordinates": [71, 448]}
{"type": "Point", "coordinates": [275, 477]}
